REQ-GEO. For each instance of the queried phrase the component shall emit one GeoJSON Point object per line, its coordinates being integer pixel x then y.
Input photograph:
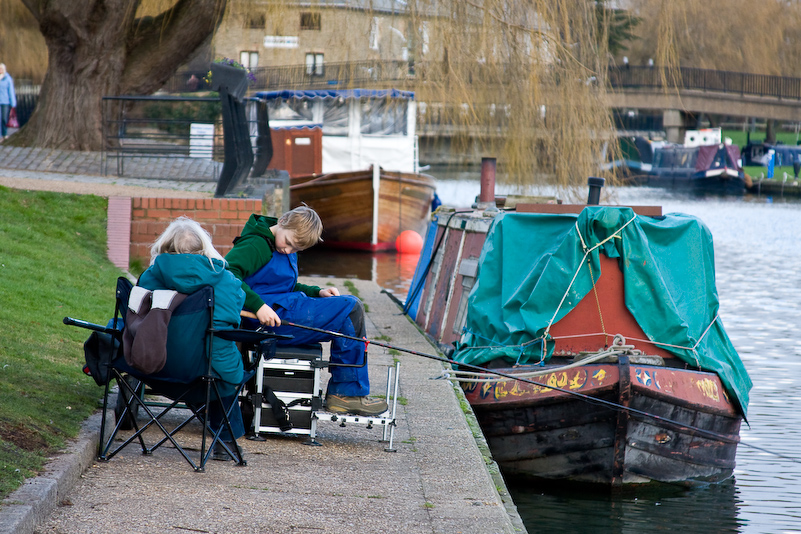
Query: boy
{"type": "Point", "coordinates": [264, 257]}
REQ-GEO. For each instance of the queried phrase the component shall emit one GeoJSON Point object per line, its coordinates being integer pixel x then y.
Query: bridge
{"type": "Point", "coordinates": [684, 93]}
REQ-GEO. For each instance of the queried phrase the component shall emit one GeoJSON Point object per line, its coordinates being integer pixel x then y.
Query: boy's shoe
{"type": "Point", "coordinates": [355, 405]}
{"type": "Point", "coordinates": [221, 455]}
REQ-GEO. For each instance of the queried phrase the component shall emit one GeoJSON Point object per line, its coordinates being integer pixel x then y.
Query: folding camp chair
{"type": "Point", "coordinates": [195, 386]}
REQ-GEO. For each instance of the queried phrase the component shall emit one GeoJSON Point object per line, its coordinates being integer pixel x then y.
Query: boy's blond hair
{"type": "Point", "coordinates": [305, 225]}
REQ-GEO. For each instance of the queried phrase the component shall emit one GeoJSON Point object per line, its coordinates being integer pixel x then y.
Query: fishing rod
{"type": "Point", "coordinates": [676, 425]}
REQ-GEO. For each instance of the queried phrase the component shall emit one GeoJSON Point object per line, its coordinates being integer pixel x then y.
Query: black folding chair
{"type": "Point", "coordinates": [189, 382]}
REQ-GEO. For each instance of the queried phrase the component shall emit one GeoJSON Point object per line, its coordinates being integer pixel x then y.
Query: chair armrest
{"type": "Point", "coordinates": [250, 337]}
{"type": "Point", "coordinates": [116, 332]}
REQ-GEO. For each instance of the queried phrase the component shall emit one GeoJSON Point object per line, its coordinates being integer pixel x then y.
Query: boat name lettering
{"type": "Point", "coordinates": [709, 389]}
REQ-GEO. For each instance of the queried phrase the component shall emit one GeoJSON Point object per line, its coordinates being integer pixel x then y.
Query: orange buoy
{"type": "Point", "coordinates": [409, 242]}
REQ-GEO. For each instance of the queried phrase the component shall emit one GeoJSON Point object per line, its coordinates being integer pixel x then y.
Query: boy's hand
{"type": "Point", "coordinates": [329, 292]}
{"type": "Point", "coordinates": [267, 316]}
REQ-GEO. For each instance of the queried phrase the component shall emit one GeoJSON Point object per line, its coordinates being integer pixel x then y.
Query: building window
{"type": "Point", "coordinates": [310, 21]}
{"type": "Point", "coordinates": [314, 64]}
{"type": "Point", "coordinates": [248, 59]}
{"type": "Point", "coordinates": [374, 34]}
{"type": "Point", "coordinates": [255, 21]}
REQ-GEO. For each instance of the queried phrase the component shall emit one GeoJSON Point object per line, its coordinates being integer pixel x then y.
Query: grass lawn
{"type": "Point", "coordinates": [52, 264]}
{"type": "Point", "coordinates": [739, 137]}
{"type": "Point", "coordinates": [756, 172]}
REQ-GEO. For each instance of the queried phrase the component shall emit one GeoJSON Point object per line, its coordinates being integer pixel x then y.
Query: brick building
{"type": "Point", "coordinates": [260, 33]}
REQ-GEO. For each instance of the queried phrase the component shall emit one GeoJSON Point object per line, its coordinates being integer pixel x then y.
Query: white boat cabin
{"type": "Point", "coordinates": [360, 127]}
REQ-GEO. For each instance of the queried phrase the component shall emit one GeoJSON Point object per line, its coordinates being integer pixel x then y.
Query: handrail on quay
{"type": "Point", "coordinates": [146, 127]}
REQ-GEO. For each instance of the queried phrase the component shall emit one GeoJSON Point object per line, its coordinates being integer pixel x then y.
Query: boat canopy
{"type": "Point", "coordinates": [336, 93]}
{"type": "Point", "coordinates": [525, 281]}
{"type": "Point", "coordinates": [717, 156]}
{"type": "Point", "coordinates": [361, 127]}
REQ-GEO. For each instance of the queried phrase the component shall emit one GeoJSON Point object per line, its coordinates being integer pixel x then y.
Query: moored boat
{"type": "Point", "coordinates": [352, 156]}
{"type": "Point", "coordinates": [611, 320]}
{"type": "Point", "coordinates": [354, 217]}
{"type": "Point", "coordinates": [705, 162]}
{"type": "Point", "coordinates": [707, 168]}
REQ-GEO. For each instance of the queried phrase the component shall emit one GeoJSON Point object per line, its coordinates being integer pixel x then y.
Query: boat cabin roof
{"type": "Point", "coordinates": [322, 94]}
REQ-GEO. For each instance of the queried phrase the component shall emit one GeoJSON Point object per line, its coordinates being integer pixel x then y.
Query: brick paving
{"type": "Point", "coordinates": [173, 168]}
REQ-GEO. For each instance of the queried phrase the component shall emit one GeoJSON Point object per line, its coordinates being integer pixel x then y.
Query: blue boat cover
{"type": "Point", "coordinates": [526, 282]}
{"type": "Point", "coordinates": [336, 93]}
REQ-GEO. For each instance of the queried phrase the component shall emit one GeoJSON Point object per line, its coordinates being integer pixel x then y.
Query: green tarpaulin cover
{"type": "Point", "coordinates": [530, 260]}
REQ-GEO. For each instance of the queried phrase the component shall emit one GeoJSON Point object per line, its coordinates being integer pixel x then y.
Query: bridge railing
{"type": "Point", "coordinates": [371, 73]}
{"type": "Point", "coordinates": [706, 80]}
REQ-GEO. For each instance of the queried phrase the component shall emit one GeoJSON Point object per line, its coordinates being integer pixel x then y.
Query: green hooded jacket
{"type": "Point", "coordinates": [252, 251]}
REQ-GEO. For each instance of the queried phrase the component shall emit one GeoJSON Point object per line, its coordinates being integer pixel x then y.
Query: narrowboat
{"type": "Point", "coordinates": [705, 162]}
{"type": "Point", "coordinates": [609, 316]}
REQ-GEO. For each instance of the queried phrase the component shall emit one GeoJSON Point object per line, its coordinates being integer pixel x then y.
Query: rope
{"type": "Point", "coordinates": [618, 348]}
{"type": "Point", "coordinates": [586, 398]}
{"type": "Point", "coordinates": [522, 346]}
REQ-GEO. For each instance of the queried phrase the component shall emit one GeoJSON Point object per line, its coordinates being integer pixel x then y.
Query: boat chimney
{"type": "Point", "coordinates": [487, 194]}
{"type": "Point", "coordinates": [595, 184]}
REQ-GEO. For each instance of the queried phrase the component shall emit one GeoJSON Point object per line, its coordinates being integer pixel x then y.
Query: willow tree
{"type": "Point", "coordinates": [108, 47]}
{"type": "Point", "coordinates": [530, 76]}
{"type": "Point", "coordinates": [736, 35]}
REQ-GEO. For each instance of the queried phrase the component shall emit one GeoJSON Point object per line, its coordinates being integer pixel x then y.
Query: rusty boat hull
{"type": "Point", "coordinates": [535, 432]}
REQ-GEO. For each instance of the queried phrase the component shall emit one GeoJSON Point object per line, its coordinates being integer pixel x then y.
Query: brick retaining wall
{"type": "Point", "coordinates": [147, 218]}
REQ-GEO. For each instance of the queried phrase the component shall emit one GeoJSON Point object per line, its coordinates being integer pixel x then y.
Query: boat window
{"type": "Point", "coordinates": [383, 117]}
{"type": "Point", "coordinates": [692, 159]}
{"type": "Point", "coordinates": [335, 117]}
{"type": "Point", "coordinates": [687, 158]}
{"type": "Point", "coordinates": [291, 109]}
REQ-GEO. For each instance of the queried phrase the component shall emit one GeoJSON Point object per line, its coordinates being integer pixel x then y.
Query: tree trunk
{"type": "Point", "coordinates": [101, 49]}
{"type": "Point", "coordinates": [770, 132]}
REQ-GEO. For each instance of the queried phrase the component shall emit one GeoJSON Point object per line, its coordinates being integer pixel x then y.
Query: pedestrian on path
{"type": "Point", "coordinates": [8, 100]}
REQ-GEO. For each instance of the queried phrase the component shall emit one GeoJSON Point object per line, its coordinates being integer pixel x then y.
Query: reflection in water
{"type": "Point", "coordinates": [391, 271]}
{"type": "Point", "coordinates": [757, 253]}
{"type": "Point", "coordinates": [709, 509]}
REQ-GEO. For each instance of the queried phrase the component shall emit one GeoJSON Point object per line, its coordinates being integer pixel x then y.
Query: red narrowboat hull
{"type": "Point", "coordinates": [537, 432]}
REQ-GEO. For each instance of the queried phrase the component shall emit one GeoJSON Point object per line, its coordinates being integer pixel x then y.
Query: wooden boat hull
{"type": "Point", "coordinates": [540, 433]}
{"type": "Point", "coordinates": [346, 205]}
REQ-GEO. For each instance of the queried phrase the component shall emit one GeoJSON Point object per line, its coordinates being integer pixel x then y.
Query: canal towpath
{"type": "Point", "coordinates": [440, 479]}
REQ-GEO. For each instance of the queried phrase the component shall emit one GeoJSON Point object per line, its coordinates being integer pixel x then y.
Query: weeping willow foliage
{"type": "Point", "coordinates": [522, 81]}
{"type": "Point", "coordinates": [737, 35]}
{"type": "Point", "coordinates": [530, 76]}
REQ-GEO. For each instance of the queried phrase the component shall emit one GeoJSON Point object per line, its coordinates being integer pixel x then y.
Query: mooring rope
{"type": "Point", "coordinates": [619, 348]}
{"type": "Point", "coordinates": [693, 430]}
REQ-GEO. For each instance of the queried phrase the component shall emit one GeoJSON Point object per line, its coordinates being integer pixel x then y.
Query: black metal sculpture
{"type": "Point", "coordinates": [232, 83]}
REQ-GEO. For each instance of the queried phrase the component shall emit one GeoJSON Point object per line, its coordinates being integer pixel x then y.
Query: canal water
{"type": "Point", "coordinates": [758, 269]}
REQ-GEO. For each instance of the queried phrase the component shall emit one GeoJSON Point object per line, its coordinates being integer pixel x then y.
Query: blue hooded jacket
{"type": "Point", "coordinates": [187, 273]}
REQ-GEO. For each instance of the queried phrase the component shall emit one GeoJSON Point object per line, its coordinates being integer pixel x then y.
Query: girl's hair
{"type": "Point", "coordinates": [305, 224]}
{"type": "Point", "coordinates": [184, 236]}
